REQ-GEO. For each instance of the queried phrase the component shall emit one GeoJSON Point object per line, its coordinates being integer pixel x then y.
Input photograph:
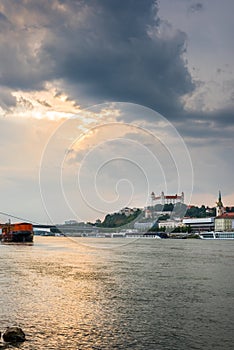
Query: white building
{"type": "Point", "coordinates": [169, 224]}
{"type": "Point", "coordinates": [128, 211]}
{"type": "Point", "coordinates": [199, 224]}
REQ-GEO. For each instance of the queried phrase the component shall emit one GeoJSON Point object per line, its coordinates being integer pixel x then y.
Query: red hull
{"type": "Point", "coordinates": [20, 232]}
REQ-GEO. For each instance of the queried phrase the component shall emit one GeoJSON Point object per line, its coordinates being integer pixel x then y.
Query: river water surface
{"type": "Point", "coordinates": [105, 294]}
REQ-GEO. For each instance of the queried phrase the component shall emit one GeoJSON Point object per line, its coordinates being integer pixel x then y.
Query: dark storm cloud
{"type": "Point", "coordinates": [220, 118]}
{"type": "Point", "coordinates": [107, 50]}
{"type": "Point", "coordinates": [111, 55]}
{"type": "Point", "coordinates": [22, 28]}
{"type": "Point", "coordinates": [101, 48]}
{"type": "Point", "coordinates": [212, 127]}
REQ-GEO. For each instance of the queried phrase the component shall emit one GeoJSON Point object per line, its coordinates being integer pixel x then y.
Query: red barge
{"type": "Point", "coordinates": [15, 233]}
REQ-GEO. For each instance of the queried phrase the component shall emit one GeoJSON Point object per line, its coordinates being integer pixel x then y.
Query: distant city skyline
{"type": "Point", "coordinates": [103, 102]}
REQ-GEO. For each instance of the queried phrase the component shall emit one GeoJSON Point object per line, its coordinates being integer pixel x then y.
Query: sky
{"type": "Point", "coordinates": [103, 102]}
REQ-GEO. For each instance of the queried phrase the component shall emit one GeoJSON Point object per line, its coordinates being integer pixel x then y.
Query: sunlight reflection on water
{"type": "Point", "coordinates": [152, 294]}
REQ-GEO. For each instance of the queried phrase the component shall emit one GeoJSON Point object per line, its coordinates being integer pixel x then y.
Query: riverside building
{"type": "Point", "coordinates": [224, 222]}
{"type": "Point", "coordinates": [200, 224]}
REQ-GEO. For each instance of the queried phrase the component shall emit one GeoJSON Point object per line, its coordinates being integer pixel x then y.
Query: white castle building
{"type": "Point", "coordinates": [167, 199]}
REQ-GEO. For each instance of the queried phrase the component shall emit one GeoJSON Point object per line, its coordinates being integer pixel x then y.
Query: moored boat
{"type": "Point", "coordinates": [216, 235]}
{"type": "Point", "coordinates": [18, 232]}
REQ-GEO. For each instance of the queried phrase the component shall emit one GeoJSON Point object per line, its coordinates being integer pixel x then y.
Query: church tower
{"type": "Point", "coordinates": [219, 206]}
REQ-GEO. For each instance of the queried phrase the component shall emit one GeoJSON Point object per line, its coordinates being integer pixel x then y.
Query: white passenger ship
{"type": "Point", "coordinates": [216, 235]}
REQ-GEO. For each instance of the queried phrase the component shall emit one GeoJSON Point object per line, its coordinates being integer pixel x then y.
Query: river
{"type": "Point", "coordinates": [109, 294]}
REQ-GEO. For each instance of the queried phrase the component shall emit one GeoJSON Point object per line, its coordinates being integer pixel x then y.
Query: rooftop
{"type": "Point", "coordinates": [226, 215]}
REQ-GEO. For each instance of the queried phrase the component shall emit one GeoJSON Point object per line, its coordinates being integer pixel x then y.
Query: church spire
{"type": "Point", "coordinates": [219, 208]}
{"type": "Point", "coordinates": [219, 203]}
{"type": "Point", "coordinates": [220, 200]}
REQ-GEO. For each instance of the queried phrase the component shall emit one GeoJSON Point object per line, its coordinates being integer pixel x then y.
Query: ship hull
{"type": "Point", "coordinates": [18, 237]}
{"type": "Point", "coordinates": [17, 233]}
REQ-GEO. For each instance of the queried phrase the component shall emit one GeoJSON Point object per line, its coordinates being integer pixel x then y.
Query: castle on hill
{"type": "Point", "coordinates": [168, 199]}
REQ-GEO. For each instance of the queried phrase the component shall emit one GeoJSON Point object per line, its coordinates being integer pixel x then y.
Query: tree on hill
{"type": "Point", "coordinates": [117, 219]}
{"type": "Point", "coordinates": [201, 212]}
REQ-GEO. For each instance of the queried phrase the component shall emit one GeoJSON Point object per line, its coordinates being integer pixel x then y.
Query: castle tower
{"type": "Point", "coordinates": [162, 198]}
{"type": "Point", "coordinates": [152, 198]}
{"type": "Point", "coordinates": [219, 206]}
{"type": "Point", "coordinates": [182, 197]}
